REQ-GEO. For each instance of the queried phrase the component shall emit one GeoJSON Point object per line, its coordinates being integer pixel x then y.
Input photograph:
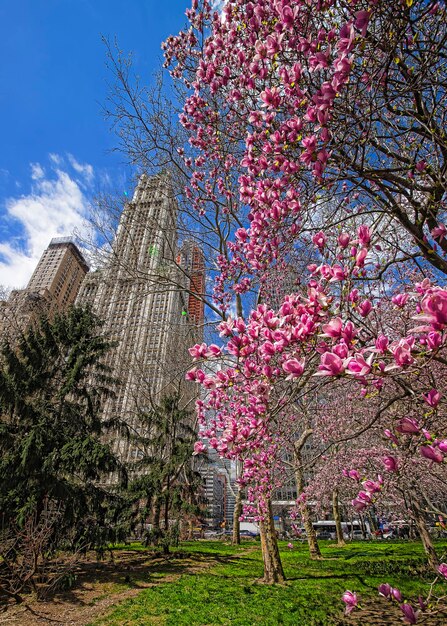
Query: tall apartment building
{"type": "Point", "coordinates": [191, 259]}
{"type": "Point", "coordinates": [53, 286]}
{"type": "Point", "coordinates": [143, 293]}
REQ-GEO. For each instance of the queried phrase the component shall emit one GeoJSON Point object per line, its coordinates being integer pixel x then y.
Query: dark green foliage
{"type": "Point", "coordinates": [165, 483]}
{"type": "Point", "coordinates": [52, 455]}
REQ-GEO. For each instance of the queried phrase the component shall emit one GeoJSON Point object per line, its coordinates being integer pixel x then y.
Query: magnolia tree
{"type": "Point", "coordinates": [356, 443]}
{"type": "Point", "coordinates": [340, 111]}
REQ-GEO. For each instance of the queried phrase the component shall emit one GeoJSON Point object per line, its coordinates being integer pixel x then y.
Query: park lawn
{"type": "Point", "coordinates": [228, 590]}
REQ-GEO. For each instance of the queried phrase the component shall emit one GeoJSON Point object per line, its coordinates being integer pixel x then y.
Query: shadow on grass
{"type": "Point", "coordinates": [129, 569]}
{"type": "Point", "coordinates": [348, 575]}
{"type": "Point", "coordinates": [137, 569]}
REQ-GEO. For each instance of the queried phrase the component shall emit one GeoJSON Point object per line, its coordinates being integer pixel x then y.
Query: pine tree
{"type": "Point", "coordinates": [53, 382]}
{"type": "Point", "coordinates": [165, 483]}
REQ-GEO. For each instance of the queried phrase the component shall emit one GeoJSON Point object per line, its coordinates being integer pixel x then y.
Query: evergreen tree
{"type": "Point", "coordinates": [165, 484]}
{"type": "Point", "coordinates": [53, 382]}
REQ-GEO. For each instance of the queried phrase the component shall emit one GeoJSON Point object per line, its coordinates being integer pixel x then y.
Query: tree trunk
{"type": "Point", "coordinates": [156, 529]}
{"type": "Point", "coordinates": [429, 548]}
{"type": "Point", "coordinates": [157, 515]}
{"type": "Point", "coordinates": [314, 548]}
{"type": "Point", "coordinates": [273, 570]}
{"type": "Point", "coordinates": [166, 514]}
{"type": "Point", "coordinates": [190, 530]}
{"type": "Point", "coordinates": [336, 513]}
{"type": "Point", "coordinates": [236, 515]}
{"type": "Point", "coordinates": [362, 524]}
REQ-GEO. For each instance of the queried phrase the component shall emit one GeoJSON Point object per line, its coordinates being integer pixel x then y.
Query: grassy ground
{"type": "Point", "coordinates": [228, 591]}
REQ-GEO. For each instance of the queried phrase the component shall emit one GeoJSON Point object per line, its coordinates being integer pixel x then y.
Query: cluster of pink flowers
{"type": "Point", "coordinates": [366, 496]}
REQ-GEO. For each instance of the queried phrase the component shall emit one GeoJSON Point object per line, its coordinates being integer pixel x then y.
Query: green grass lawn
{"type": "Point", "coordinates": [228, 590]}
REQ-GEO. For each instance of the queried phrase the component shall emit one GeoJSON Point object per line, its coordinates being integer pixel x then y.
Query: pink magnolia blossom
{"type": "Point", "coordinates": [319, 239]}
{"type": "Point", "coordinates": [294, 368]}
{"type": "Point", "coordinates": [361, 21]}
{"type": "Point", "coordinates": [213, 351]}
{"type": "Point", "coordinates": [196, 375]}
{"type": "Point", "coordinates": [191, 374]}
{"type": "Point", "coordinates": [432, 453]}
{"type": "Point", "coordinates": [330, 365]}
{"type": "Point", "coordinates": [397, 594]}
{"type": "Point", "coordinates": [421, 165]}
{"type": "Point", "coordinates": [362, 501]}
{"type": "Point", "coordinates": [360, 257]}
{"type": "Point", "coordinates": [402, 353]}
{"type": "Point", "coordinates": [381, 344]}
{"type": "Point", "coordinates": [390, 463]}
{"type": "Point", "coordinates": [333, 328]}
{"type": "Point", "coordinates": [351, 601]}
{"type": "Point", "coordinates": [341, 350]}
{"type": "Point", "coordinates": [349, 332]}
{"type": "Point", "coordinates": [365, 308]}
{"type": "Point", "coordinates": [371, 486]}
{"type": "Point", "coordinates": [385, 590]}
{"type": "Point", "coordinates": [354, 295]}
{"type": "Point", "coordinates": [400, 299]}
{"type": "Point", "coordinates": [198, 351]}
{"type": "Point", "coordinates": [408, 426]}
{"type": "Point", "coordinates": [364, 496]}
{"type": "Point", "coordinates": [433, 340]}
{"type": "Point", "coordinates": [442, 569]}
{"type": "Point", "coordinates": [337, 273]}
{"type": "Point", "coordinates": [199, 447]}
{"type": "Point", "coordinates": [364, 235]}
{"type": "Point", "coordinates": [439, 232]}
{"type": "Point", "coordinates": [432, 398]}
{"type": "Point", "coordinates": [410, 616]}
{"type": "Point", "coordinates": [271, 98]}
{"type": "Point", "coordinates": [387, 432]}
{"type": "Point", "coordinates": [343, 240]}
{"type": "Point", "coordinates": [358, 367]}
{"type": "Point", "coordinates": [434, 309]}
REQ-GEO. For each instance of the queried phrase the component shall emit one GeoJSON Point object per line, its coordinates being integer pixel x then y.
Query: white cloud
{"type": "Point", "coordinates": [85, 169]}
{"type": "Point", "coordinates": [55, 207]}
{"type": "Point", "coordinates": [56, 159]}
{"type": "Point", "coordinates": [37, 171]}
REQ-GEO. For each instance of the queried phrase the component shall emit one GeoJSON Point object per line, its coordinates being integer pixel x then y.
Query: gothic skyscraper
{"type": "Point", "coordinates": [148, 296]}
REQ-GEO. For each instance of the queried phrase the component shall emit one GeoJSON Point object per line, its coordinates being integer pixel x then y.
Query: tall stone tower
{"type": "Point", "coordinates": [60, 272]}
{"type": "Point", "coordinates": [142, 294]}
{"type": "Point", "coordinates": [52, 288]}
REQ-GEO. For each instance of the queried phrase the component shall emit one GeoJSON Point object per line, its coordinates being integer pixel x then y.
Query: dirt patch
{"type": "Point", "coordinates": [383, 613]}
{"type": "Point", "coordinates": [101, 585]}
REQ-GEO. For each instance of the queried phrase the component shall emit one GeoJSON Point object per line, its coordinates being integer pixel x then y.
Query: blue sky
{"type": "Point", "coordinates": [55, 144]}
